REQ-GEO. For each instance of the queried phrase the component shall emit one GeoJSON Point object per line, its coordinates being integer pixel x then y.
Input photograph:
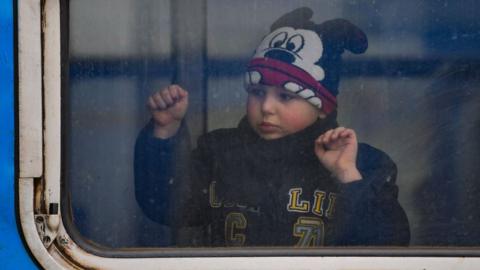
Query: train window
{"type": "Point", "coordinates": [193, 128]}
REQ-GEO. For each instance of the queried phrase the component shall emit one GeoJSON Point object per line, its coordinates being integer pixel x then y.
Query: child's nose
{"type": "Point", "coordinates": [268, 104]}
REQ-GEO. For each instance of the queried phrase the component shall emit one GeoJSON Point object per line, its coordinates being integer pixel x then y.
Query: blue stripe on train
{"type": "Point", "coordinates": [13, 254]}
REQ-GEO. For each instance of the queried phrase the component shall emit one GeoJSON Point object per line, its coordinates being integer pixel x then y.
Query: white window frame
{"type": "Point", "coordinates": [39, 86]}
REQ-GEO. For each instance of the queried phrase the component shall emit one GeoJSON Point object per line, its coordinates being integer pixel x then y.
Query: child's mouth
{"type": "Point", "coordinates": [267, 127]}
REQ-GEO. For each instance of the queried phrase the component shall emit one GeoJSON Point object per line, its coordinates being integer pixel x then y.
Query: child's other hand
{"type": "Point", "coordinates": [337, 151]}
{"type": "Point", "coordinates": [168, 107]}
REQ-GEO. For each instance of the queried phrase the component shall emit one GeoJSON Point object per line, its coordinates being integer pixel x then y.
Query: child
{"type": "Point", "coordinates": [287, 175]}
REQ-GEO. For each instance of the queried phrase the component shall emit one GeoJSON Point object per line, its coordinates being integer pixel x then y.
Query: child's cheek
{"type": "Point", "coordinates": [298, 120]}
{"type": "Point", "coordinates": [253, 107]}
{"type": "Point", "coordinates": [252, 112]}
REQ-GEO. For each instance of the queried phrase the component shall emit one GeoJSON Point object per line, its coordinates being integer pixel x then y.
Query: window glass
{"type": "Point", "coordinates": [119, 52]}
{"type": "Point", "coordinates": [413, 94]}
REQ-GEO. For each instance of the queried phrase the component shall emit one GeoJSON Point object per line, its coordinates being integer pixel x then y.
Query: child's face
{"type": "Point", "coordinates": [274, 112]}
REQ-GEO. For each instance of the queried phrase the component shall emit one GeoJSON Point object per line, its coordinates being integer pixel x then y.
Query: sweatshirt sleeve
{"type": "Point", "coordinates": [368, 212]}
{"type": "Point", "coordinates": [156, 164]}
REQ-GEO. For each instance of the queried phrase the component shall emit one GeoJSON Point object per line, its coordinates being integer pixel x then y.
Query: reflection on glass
{"type": "Point", "coordinates": [410, 94]}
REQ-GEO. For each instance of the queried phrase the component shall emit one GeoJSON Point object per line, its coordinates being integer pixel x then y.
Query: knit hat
{"type": "Point", "coordinates": [304, 57]}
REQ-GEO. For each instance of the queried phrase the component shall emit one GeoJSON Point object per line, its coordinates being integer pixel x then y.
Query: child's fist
{"type": "Point", "coordinates": [337, 151]}
{"type": "Point", "coordinates": [168, 107]}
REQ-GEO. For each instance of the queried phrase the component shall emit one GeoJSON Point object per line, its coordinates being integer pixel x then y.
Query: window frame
{"type": "Point", "coordinates": [42, 77]}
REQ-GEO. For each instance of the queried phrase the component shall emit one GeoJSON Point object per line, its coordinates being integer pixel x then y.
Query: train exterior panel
{"type": "Point", "coordinates": [32, 234]}
{"type": "Point", "coordinates": [13, 254]}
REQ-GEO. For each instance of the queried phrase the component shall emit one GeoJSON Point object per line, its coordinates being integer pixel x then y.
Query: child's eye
{"type": "Point", "coordinates": [258, 92]}
{"type": "Point", "coordinates": [286, 97]}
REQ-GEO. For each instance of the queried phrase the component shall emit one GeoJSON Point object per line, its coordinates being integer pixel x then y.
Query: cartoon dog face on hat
{"type": "Point", "coordinates": [299, 47]}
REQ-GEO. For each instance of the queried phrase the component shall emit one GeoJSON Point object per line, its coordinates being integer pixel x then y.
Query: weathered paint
{"type": "Point", "coordinates": [13, 254]}
{"type": "Point", "coordinates": [30, 141]}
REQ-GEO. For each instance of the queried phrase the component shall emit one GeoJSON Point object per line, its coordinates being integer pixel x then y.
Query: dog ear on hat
{"type": "Point", "coordinates": [340, 34]}
{"type": "Point", "coordinates": [298, 18]}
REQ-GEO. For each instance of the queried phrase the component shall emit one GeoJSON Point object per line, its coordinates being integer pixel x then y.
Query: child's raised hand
{"type": "Point", "coordinates": [337, 151]}
{"type": "Point", "coordinates": [168, 107]}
